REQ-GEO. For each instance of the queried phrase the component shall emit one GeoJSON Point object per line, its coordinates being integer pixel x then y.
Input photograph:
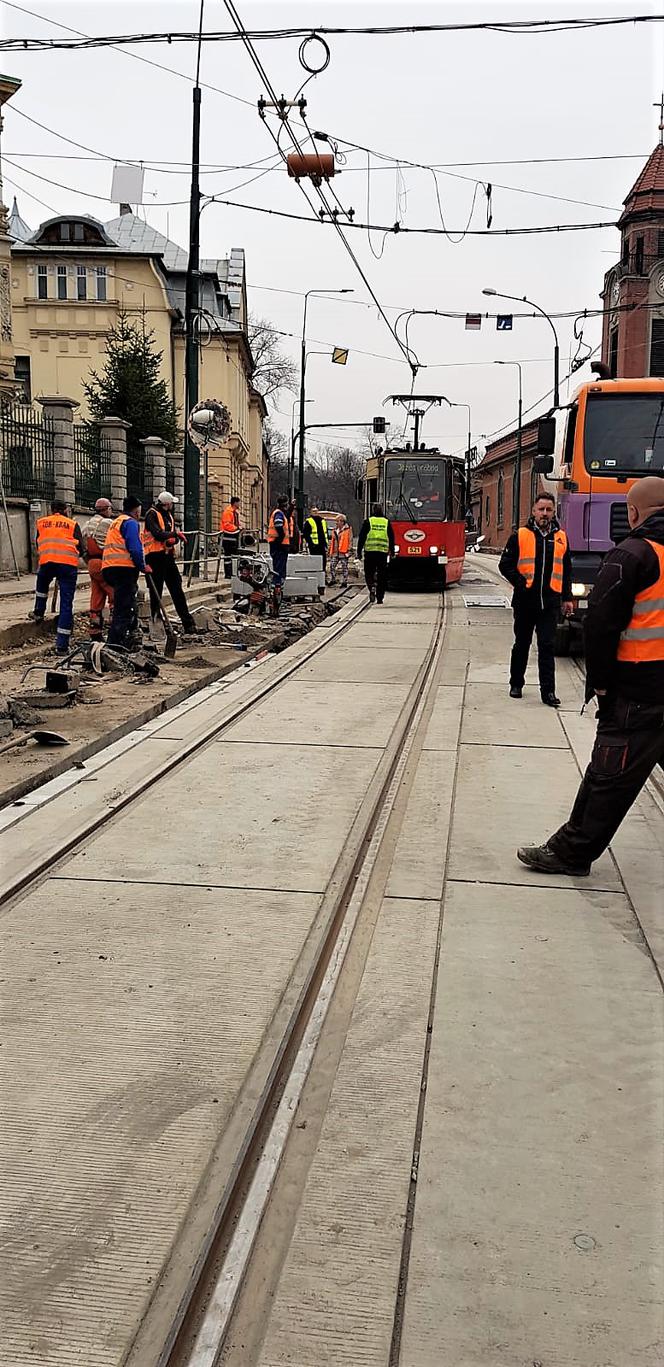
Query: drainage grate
{"type": "Point", "coordinates": [485, 600]}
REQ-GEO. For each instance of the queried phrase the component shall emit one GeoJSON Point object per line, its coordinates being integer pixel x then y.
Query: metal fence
{"type": "Point", "coordinates": [135, 468]}
{"type": "Point", "coordinates": [27, 450]}
{"type": "Point", "coordinates": [92, 464]}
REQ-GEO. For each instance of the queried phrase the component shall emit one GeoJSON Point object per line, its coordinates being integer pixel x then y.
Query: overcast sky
{"type": "Point", "coordinates": [484, 98]}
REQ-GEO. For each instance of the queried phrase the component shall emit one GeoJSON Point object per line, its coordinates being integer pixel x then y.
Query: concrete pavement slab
{"type": "Point", "coordinates": [381, 665]}
{"type": "Point", "coordinates": [303, 713]}
{"type": "Point", "coordinates": [373, 632]}
{"type": "Point", "coordinates": [245, 816]}
{"type": "Point", "coordinates": [418, 866]}
{"type": "Point", "coordinates": [538, 1221]}
{"type": "Point", "coordinates": [443, 729]}
{"type": "Point", "coordinates": [335, 1301]}
{"type": "Point", "coordinates": [491, 717]}
{"type": "Point", "coordinates": [133, 1018]}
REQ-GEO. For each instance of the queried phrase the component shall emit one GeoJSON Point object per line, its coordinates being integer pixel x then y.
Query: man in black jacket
{"type": "Point", "coordinates": [537, 563]}
{"type": "Point", "coordinates": [160, 537]}
{"type": "Point", "coordinates": [625, 669]}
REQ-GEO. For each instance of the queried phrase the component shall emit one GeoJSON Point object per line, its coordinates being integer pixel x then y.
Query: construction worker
{"type": "Point", "coordinates": [624, 643]}
{"type": "Point", "coordinates": [278, 539]}
{"type": "Point", "coordinates": [94, 536]}
{"type": "Point", "coordinates": [230, 535]}
{"type": "Point", "coordinates": [537, 563]}
{"type": "Point", "coordinates": [341, 543]}
{"type": "Point", "coordinates": [59, 546]}
{"type": "Point", "coordinates": [314, 532]}
{"type": "Point", "coordinates": [122, 561]}
{"type": "Point", "coordinates": [376, 540]}
{"type": "Point", "coordinates": [160, 537]}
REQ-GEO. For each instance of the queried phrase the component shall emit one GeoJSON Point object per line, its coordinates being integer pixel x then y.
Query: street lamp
{"type": "Point", "coordinates": [303, 367]}
{"type": "Point", "coordinates": [521, 299]}
{"type": "Point", "coordinates": [453, 404]}
{"type": "Point", "coordinates": [516, 491]}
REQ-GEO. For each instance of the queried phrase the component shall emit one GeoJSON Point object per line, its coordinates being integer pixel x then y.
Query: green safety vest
{"type": "Point", "coordinates": [377, 538]}
{"type": "Point", "coordinates": [313, 526]}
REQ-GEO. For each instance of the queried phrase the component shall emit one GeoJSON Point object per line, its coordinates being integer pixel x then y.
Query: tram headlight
{"type": "Point", "coordinates": [433, 550]}
{"type": "Point", "coordinates": [580, 590]}
{"type": "Point", "coordinates": [396, 549]}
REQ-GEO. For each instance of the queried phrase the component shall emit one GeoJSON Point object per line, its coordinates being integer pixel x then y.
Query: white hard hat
{"type": "Point", "coordinates": [165, 497]}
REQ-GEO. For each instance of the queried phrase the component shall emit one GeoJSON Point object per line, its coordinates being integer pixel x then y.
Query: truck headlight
{"type": "Point", "coordinates": [433, 550]}
{"type": "Point", "coordinates": [580, 590]}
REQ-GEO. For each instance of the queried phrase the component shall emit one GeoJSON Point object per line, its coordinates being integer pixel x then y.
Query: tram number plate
{"type": "Point", "coordinates": [414, 550]}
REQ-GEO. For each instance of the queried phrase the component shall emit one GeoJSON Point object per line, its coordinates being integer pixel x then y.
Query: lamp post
{"type": "Point", "coordinates": [516, 492]}
{"type": "Point", "coordinates": [453, 404]}
{"type": "Point", "coordinates": [521, 299]}
{"type": "Point", "coordinates": [191, 308]}
{"type": "Point", "coordinates": [303, 367]}
{"type": "Point", "coordinates": [291, 458]}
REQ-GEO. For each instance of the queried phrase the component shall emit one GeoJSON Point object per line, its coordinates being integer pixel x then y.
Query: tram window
{"type": "Point", "coordinates": [372, 491]}
{"type": "Point", "coordinates": [569, 434]}
{"type": "Point", "coordinates": [458, 500]}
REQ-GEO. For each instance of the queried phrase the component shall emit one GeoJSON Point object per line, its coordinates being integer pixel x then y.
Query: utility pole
{"type": "Point", "coordinates": [516, 486]}
{"type": "Point", "coordinates": [191, 310]}
{"type": "Point", "coordinates": [301, 429]}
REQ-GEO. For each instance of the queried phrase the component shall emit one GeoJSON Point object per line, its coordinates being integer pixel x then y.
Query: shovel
{"type": "Point", "coordinates": [171, 639]}
{"type": "Point", "coordinates": [41, 737]}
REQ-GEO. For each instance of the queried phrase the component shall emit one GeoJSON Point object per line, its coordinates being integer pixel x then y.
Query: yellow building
{"type": "Point", "coordinates": [70, 279]}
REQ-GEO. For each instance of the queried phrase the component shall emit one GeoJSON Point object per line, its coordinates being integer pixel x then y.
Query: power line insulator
{"type": "Point", "coordinates": [314, 166]}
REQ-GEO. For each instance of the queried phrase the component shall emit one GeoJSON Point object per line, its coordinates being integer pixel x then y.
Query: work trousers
{"type": "Point", "coordinates": [165, 571]}
{"type": "Point", "coordinates": [529, 617]}
{"type": "Point", "coordinates": [65, 577]}
{"type": "Point", "coordinates": [628, 745]}
{"type": "Point", "coordinates": [100, 594]}
{"type": "Point", "coordinates": [229, 546]}
{"type": "Point", "coordinates": [279, 557]}
{"type": "Point", "coordinates": [375, 572]}
{"type": "Point", "coordinates": [124, 621]}
{"type": "Point", "coordinates": [335, 562]}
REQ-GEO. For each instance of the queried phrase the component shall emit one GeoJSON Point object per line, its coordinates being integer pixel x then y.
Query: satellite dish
{"type": "Point", "coordinates": [209, 423]}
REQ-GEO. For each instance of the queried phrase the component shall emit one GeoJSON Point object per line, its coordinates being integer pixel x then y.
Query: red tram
{"type": "Point", "coordinates": [423, 493]}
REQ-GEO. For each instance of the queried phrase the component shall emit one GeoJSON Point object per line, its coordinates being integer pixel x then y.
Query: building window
{"type": "Point", "coordinates": [42, 283]}
{"type": "Point", "coordinates": [487, 509]}
{"type": "Point", "coordinates": [657, 348]}
{"type": "Point", "coordinates": [660, 243]}
{"type": "Point", "coordinates": [625, 252]}
{"type": "Point", "coordinates": [79, 235]}
{"type": "Point", "coordinates": [62, 282]}
{"type": "Point", "coordinates": [81, 282]}
{"type": "Point", "coordinates": [65, 235]}
{"type": "Point", "coordinates": [638, 256]}
{"type": "Point", "coordinates": [501, 499]}
{"type": "Point", "coordinates": [534, 485]}
{"type": "Point", "coordinates": [101, 284]}
{"type": "Point", "coordinates": [22, 373]}
{"type": "Point", "coordinates": [613, 353]}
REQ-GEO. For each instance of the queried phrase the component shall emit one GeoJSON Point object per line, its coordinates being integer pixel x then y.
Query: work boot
{"type": "Point", "coordinates": [516, 692]}
{"type": "Point", "coordinates": [550, 700]}
{"type": "Point", "coordinates": [542, 859]}
{"type": "Point", "coordinates": [372, 595]}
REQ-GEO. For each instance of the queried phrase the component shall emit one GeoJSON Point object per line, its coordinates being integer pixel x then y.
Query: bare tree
{"type": "Point", "coordinates": [274, 370]}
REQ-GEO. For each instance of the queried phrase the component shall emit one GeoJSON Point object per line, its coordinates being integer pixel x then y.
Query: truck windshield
{"type": "Point", "coordinates": [624, 434]}
{"type": "Point", "coordinates": [415, 490]}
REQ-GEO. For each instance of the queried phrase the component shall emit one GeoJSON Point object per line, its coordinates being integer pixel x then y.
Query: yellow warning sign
{"type": "Point", "coordinates": [339, 355]}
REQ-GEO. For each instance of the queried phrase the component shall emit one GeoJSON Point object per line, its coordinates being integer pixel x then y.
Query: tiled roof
{"type": "Point", "coordinates": [647, 191]}
{"type": "Point", "coordinates": [133, 234]}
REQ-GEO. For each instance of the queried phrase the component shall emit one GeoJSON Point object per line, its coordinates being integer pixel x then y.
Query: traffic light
{"type": "Point", "coordinates": [379, 426]}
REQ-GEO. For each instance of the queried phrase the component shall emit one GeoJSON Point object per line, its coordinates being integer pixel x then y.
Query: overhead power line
{"type": "Point", "coordinates": [536, 27]}
{"type": "Point", "coordinates": [397, 229]}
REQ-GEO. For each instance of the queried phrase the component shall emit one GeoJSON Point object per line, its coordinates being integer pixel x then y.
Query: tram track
{"type": "Point", "coordinates": [193, 1333]}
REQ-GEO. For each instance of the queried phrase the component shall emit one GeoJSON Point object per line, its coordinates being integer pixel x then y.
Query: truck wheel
{"type": "Point", "coordinates": [563, 639]}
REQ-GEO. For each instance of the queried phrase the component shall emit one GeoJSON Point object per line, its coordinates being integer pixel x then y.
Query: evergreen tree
{"type": "Point", "coordinates": [131, 387]}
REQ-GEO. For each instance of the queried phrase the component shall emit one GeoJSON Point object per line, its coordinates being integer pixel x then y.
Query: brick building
{"type": "Point", "coordinates": [632, 345]}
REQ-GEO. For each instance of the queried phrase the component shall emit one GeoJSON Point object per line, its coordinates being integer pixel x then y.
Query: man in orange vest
{"type": "Point", "coordinates": [160, 537]}
{"type": "Point", "coordinates": [94, 536]}
{"type": "Point", "coordinates": [230, 535]}
{"type": "Point", "coordinates": [278, 539]}
{"type": "Point", "coordinates": [537, 563]}
{"type": "Point", "coordinates": [59, 546]}
{"type": "Point", "coordinates": [624, 640]}
{"type": "Point", "coordinates": [341, 543]}
{"type": "Point", "coordinates": [122, 561]}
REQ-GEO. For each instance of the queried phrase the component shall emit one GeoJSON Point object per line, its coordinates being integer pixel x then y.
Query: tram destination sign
{"type": "Point", "coordinates": [416, 467]}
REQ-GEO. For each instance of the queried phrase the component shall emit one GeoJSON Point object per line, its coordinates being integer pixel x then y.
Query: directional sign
{"type": "Point", "coordinates": [504, 322]}
{"type": "Point", "coordinates": [339, 355]}
{"type": "Point", "coordinates": [473, 322]}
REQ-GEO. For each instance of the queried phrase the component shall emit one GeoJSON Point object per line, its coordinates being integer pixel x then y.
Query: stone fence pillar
{"type": "Point", "coordinates": [155, 465]}
{"type": "Point", "coordinates": [115, 430]}
{"type": "Point", "coordinates": [176, 460]}
{"type": "Point", "coordinates": [59, 413]}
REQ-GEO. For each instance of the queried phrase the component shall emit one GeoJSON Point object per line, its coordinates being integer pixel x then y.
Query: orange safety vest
{"type": "Point", "coordinates": [526, 565]}
{"type": "Point", "coordinates": [642, 641]}
{"type": "Point", "coordinates": [272, 534]}
{"type": "Point", "coordinates": [230, 521]}
{"type": "Point", "coordinates": [116, 555]}
{"type": "Point", "coordinates": [344, 538]}
{"type": "Point", "coordinates": [56, 543]}
{"type": "Point", "coordinates": [150, 543]}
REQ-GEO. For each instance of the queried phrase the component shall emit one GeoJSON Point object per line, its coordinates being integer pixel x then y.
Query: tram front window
{"type": "Point", "coordinates": [415, 490]}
